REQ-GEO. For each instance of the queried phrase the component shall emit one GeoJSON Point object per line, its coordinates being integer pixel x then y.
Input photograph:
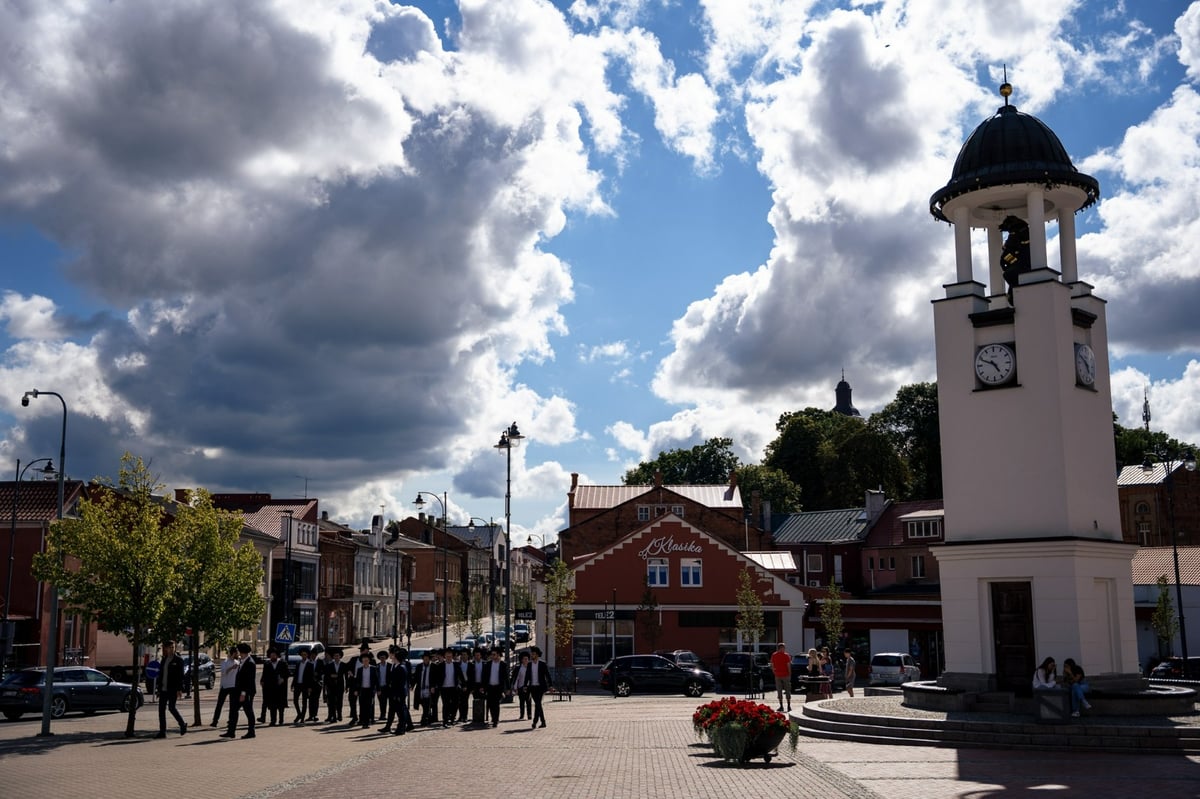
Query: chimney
{"type": "Point", "coordinates": [571, 493]}
{"type": "Point", "coordinates": [733, 479]}
{"type": "Point", "coordinates": [876, 501]}
{"type": "Point", "coordinates": [658, 479]}
{"type": "Point", "coordinates": [324, 515]}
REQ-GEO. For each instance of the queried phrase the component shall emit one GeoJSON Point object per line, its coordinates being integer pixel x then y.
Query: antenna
{"type": "Point", "coordinates": [1146, 407]}
{"type": "Point", "coordinates": [305, 478]}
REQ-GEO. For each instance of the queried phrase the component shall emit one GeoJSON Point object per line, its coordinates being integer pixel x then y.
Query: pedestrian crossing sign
{"type": "Point", "coordinates": [285, 633]}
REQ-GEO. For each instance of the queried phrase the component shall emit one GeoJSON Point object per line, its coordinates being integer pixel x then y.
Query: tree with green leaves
{"type": "Point", "coordinates": [749, 620]}
{"type": "Point", "coordinates": [772, 485]}
{"type": "Point", "coordinates": [709, 463]}
{"type": "Point", "coordinates": [117, 561]}
{"type": "Point", "coordinates": [1164, 621]}
{"type": "Point", "coordinates": [522, 599]}
{"type": "Point", "coordinates": [647, 616]}
{"type": "Point", "coordinates": [560, 606]}
{"type": "Point", "coordinates": [478, 609]}
{"type": "Point", "coordinates": [831, 617]}
{"type": "Point", "coordinates": [910, 421]}
{"type": "Point", "coordinates": [220, 580]}
{"type": "Point", "coordinates": [459, 622]}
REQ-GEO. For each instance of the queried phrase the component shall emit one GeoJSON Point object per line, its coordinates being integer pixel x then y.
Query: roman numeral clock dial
{"type": "Point", "coordinates": [995, 364]}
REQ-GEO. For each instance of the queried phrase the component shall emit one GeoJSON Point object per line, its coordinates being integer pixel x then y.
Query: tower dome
{"type": "Point", "coordinates": [1011, 148]}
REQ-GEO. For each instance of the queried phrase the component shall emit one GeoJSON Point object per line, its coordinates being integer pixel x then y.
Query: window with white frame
{"type": "Point", "coordinates": [924, 528]}
{"type": "Point", "coordinates": [815, 563]}
{"type": "Point", "coordinates": [918, 566]}
{"type": "Point", "coordinates": [691, 572]}
{"type": "Point", "coordinates": [643, 513]}
{"type": "Point", "coordinates": [1143, 529]}
{"type": "Point", "coordinates": [677, 510]}
{"type": "Point", "coordinates": [656, 572]}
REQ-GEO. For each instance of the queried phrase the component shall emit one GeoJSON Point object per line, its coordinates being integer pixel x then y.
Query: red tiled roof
{"type": "Point", "coordinates": [1150, 563]}
{"type": "Point", "coordinates": [37, 500]}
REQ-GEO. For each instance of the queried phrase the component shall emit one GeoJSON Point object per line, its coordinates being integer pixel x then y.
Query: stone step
{"type": "Point", "coordinates": [816, 722]}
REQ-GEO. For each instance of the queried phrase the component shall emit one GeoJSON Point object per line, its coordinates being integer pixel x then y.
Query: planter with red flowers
{"type": "Point", "coordinates": [740, 730]}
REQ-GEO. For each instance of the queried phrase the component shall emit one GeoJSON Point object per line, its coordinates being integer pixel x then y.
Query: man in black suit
{"type": "Point", "coordinates": [335, 684]}
{"type": "Point", "coordinates": [384, 666]}
{"type": "Point", "coordinates": [492, 685]}
{"type": "Point", "coordinates": [539, 683]}
{"type": "Point", "coordinates": [368, 684]}
{"type": "Point", "coordinates": [246, 681]}
{"type": "Point", "coordinates": [274, 687]}
{"type": "Point", "coordinates": [398, 690]}
{"type": "Point", "coordinates": [302, 682]}
{"type": "Point", "coordinates": [317, 685]}
{"type": "Point", "coordinates": [423, 690]}
{"type": "Point", "coordinates": [170, 688]}
{"type": "Point", "coordinates": [445, 679]}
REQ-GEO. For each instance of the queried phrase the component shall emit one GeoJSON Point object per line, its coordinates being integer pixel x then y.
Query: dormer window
{"type": "Point", "coordinates": [925, 524]}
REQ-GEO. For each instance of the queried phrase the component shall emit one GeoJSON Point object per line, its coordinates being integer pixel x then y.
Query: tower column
{"type": "Point", "coordinates": [1036, 208]}
{"type": "Point", "coordinates": [962, 245]}
{"type": "Point", "coordinates": [1066, 246]}
{"type": "Point", "coordinates": [995, 268]}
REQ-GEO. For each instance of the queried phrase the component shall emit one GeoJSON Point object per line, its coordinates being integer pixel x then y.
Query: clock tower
{"type": "Point", "coordinates": [1033, 565]}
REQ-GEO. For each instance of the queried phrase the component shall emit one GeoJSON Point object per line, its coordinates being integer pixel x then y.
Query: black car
{"type": "Point", "coordinates": [653, 674]}
{"type": "Point", "coordinates": [76, 688]}
{"type": "Point", "coordinates": [684, 657]}
{"type": "Point", "coordinates": [207, 671]}
{"type": "Point", "coordinates": [736, 668]}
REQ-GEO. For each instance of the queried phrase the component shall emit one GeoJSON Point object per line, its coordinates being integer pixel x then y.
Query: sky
{"type": "Point", "coordinates": [335, 248]}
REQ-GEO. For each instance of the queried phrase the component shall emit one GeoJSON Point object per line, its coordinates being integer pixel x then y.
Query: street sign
{"type": "Point", "coordinates": [285, 633]}
{"type": "Point", "coordinates": [528, 614]}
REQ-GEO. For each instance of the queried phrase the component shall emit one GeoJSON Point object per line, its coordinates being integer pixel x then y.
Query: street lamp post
{"type": "Point", "coordinates": [420, 503]}
{"type": "Point", "coordinates": [509, 439]}
{"type": "Point", "coordinates": [491, 525]}
{"type": "Point", "coordinates": [287, 569]}
{"type": "Point", "coordinates": [1170, 462]}
{"type": "Point", "coordinates": [6, 633]}
{"type": "Point", "coordinates": [52, 648]}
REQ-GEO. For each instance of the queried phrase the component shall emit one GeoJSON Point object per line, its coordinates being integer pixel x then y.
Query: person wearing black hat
{"type": "Point", "coordinates": [335, 684]}
{"type": "Point", "coordinates": [446, 680]}
{"type": "Point", "coordinates": [539, 682]}
{"type": "Point", "coordinates": [302, 683]}
{"type": "Point", "coordinates": [246, 681]}
{"type": "Point", "coordinates": [368, 684]}
{"type": "Point", "coordinates": [274, 687]}
{"type": "Point", "coordinates": [422, 689]}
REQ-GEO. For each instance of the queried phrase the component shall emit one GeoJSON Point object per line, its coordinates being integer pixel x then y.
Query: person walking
{"type": "Point", "coordinates": [445, 679]}
{"type": "Point", "coordinates": [302, 687]}
{"type": "Point", "coordinates": [781, 667]}
{"type": "Point", "coordinates": [539, 682]}
{"type": "Point", "coordinates": [368, 684]}
{"type": "Point", "coordinates": [851, 670]}
{"type": "Point", "coordinates": [335, 685]}
{"type": "Point", "coordinates": [317, 686]}
{"type": "Point", "coordinates": [493, 684]}
{"type": "Point", "coordinates": [524, 701]}
{"type": "Point", "coordinates": [274, 688]}
{"type": "Point", "coordinates": [384, 664]}
{"type": "Point", "coordinates": [170, 689]}
{"type": "Point", "coordinates": [229, 668]}
{"type": "Point", "coordinates": [398, 694]}
{"type": "Point", "coordinates": [245, 684]}
{"type": "Point", "coordinates": [423, 692]}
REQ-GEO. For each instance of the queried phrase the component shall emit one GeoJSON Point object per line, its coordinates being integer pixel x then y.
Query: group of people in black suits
{"type": "Point", "coordinates": [457, 681]}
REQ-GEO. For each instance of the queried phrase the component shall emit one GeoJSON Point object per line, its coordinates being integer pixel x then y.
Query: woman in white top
{"type": "Point", "coordinates": [1044, 677]}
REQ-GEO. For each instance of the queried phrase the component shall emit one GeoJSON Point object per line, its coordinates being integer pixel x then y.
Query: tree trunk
{"type": "Point", "coordinates": [133, 686]}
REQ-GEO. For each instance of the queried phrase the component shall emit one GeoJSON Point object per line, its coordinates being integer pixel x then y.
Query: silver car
{"type": "Point", "coordinates": [893, 668]}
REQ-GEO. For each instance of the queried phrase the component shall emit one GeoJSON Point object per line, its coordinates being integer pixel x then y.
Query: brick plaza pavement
{"type": "Point", "coordinates": [594, 747]}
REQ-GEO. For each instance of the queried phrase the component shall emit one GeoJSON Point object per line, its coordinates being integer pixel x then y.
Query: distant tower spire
{"type": "Point", "coordinates": [1146, 407]}
{"type": "Point", "coordinates": [844, 405]}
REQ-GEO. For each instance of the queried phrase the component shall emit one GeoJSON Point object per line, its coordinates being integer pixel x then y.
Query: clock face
{"type": "Point", "coordinates": [1085, 365]}
{"type": "Point", "coordinates": [995, 364]}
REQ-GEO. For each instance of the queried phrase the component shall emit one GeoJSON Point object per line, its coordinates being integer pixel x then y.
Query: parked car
{"type": "Point", "coordinates": [684, 657]}
{"type": "Point", "coordinates": [521, 633]}
{"type": "Point", "coordinates": [315, 650]}
{"type": "Point", "coordinates": [1172, 669]}
{"type": "Point", "coordinates": [893, 668]}
{"type": "Point", "coordinates": [414, 656]}
{"type": "Point", "coordinates": [630, 674]}
{"type": "Point", "coordinates": [76, 688]}
{"type": "Point", "coordinates": [207, 671]}
{"type": "Point", "coordinates": [737, 666]}
{"type": "Point", "coordinates": [466, 645]}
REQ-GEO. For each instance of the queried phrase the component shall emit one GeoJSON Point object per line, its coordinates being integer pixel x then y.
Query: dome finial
{"type": "Point", "coordinates": [1006, 87]}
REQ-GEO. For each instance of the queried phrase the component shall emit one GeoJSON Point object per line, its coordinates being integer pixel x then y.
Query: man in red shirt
{"type": "Point", "coordinates": [781, 667]}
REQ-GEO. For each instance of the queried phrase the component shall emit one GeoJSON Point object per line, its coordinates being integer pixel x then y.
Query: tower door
{"type": "Point", "coordinates": [1012, 625]}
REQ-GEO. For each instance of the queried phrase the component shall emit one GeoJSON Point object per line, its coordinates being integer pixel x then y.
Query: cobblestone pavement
{"type": "Point", "coordinates": [594, 747]}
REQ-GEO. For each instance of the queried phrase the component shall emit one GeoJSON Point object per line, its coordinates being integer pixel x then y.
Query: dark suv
{"type": "Point", "coordinates": [684, 657]}
{"type": "Point", "coordinates": [653, 674]}
{"type": "Point", "coordinates": [736, 668]}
